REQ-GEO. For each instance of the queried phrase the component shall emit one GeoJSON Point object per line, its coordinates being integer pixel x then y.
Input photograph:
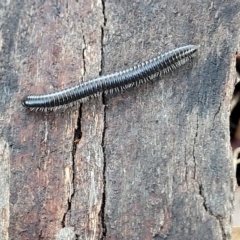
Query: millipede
{"type": "Point", "coordinates": [143, 72]}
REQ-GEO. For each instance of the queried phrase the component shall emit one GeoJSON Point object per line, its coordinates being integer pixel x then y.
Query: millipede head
{"type": "Point", "coordinates": [25, 101]}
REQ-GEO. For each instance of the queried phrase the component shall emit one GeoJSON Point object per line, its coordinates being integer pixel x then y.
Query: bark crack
{"type": "Point", "coordinates": [201, 188]}
{"type": "Point", "coordinates": [102, 212]}
{"type": "Point", "coordinates": [215, 115]}
{"type": "Point", "coordinates": [40, 235]}
{"type": "Point", "coordinates": [83, 56]}
{"type": "Point", "coordinates": [77, 137]}
{"type": "Point", "coordinates": [104, 228]}
{"type": "Point", "coordinates": [210, 212]}
{"type": "Point", "coordinates": [217, 112]}
{"type": "Point", "coordinates": [194, 157]}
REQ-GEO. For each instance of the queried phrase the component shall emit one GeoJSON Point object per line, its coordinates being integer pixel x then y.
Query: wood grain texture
{"type": "Point", "coordinates": [152, 162]}
{"type": "Point", "coordinates": [169, 171]}
{"type": "Point", "coordinates": [51, 45]}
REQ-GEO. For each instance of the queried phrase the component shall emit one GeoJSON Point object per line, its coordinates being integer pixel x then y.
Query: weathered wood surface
{"type": "Point", "coordinates": [152, 162]}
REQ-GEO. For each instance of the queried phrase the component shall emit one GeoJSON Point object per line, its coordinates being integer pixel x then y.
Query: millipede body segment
{"type": "Point", "coordinates": [140, 73]}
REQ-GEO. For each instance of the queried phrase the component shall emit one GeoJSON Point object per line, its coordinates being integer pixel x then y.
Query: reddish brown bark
{"type": "Point", "coordinates": [152, 162]}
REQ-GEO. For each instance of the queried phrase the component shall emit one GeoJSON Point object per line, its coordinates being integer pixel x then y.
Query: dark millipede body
{"type": "Point", "coordinates": [140, 73]}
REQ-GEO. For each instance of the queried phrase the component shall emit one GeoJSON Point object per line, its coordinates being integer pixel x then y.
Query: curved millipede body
{"type": "Point", "coordinates": [140, 73]}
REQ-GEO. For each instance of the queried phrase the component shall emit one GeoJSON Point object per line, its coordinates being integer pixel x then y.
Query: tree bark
{"type": "Point", "coordinates": [151, 162]}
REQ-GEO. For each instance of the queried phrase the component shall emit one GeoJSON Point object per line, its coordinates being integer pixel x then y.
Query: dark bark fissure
{"type": "Point", "coordinates": [194, 157]}
{"type": "Point", "coordinates": [40, 235]}
{"type": "Point", "coordinates": [77, 137]}
{"type": "Point", "coordinates": [83, 55]}
{"type": "Point", "coordinates": [102, 212]}
{"type": "Point", "coordinates": [217, 112]}
{"type": "Point", "coordinates": [209, 211]}
{"type": "Point", "coordinates": [104, 228]}
{"type": "Point", "coordinates": [201, 189]}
